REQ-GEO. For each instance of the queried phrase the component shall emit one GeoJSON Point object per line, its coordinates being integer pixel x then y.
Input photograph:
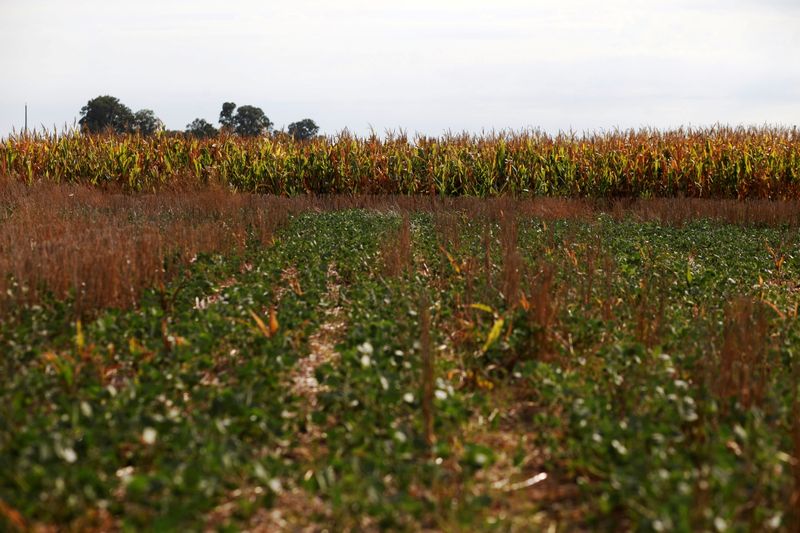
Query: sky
{"type": "Point", "coordinates": [424, 66]}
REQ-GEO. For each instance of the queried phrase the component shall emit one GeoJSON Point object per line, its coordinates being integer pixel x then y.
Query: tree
{"type": "Point", "coordinates": [303, 129]}
{"type": "Point", "coordinates": [201, 129]}
{"type": "Point", "coordinates": [106, 113]}
{"type": "Point", "coordinates": [226, 116]}
{"type": "Point", "coordinates": [250, 121]}
{"type": "Point", "coordinates": [146, 122]}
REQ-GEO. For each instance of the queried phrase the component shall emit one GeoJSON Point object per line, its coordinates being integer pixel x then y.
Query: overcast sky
{"type": "Point", "coordinates": [423, 65]}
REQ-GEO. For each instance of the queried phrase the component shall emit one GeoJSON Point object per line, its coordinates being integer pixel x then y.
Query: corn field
{"type": "Point", "coordinates": [719, 162]}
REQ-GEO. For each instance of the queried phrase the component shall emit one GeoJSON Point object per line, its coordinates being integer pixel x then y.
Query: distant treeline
{"type": "Point", "coordinates": [719, 162]}
{"type": "Point", "coordinates": [106, 114]}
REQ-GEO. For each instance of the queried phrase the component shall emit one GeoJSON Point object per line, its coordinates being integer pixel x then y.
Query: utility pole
{"type": "Point", "coordinates": [26, 118]}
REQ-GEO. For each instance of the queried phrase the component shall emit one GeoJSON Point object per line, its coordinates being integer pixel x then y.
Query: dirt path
{"type": "Point", "coordinates": [526, 487]}
{"type": "Point", "coordinates": [295, 509]}
{"type": "Point", "coordinates": [322, 345]}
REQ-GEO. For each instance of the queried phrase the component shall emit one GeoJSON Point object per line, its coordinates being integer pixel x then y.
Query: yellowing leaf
{"type": "Point", "coordinates": [273, 321]}
{"type": "Point", "coordinates": [295, 286]}
{"type": "Point", "coordinates": [260, 323]}
{"type": "Point", "coordinates": [451, 259]}
{"type": "Point", "coordinates": [774, 308]}
{"type": "Point", "coordinates": [134, 346]}
{"type": "Point", "coordinates": [479, 381]}
{"type": "Point", "coordinates": [482, 307]}
{"type": "Point", "coordinates": [524, 303]}
{"type": "Point", "coordinates": [484, 383]}
{"type": "Point", "coordinates": [79, 339]}
{"type": "Point", "coordinates": [494, 334]}
{"type": "Point", "coordinates": [180, 341]}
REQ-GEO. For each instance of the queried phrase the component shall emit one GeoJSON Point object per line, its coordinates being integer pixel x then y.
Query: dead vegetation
{"type": "Point", "coordinates": [104, 248]}
{"type": "Point", "coordinates": [744, 369]}
{"type": "Point", "coordinates": [396, 251]}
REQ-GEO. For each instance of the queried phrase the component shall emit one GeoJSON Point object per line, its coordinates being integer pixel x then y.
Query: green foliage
{"type": "Point", "coordinates": [303, 130]}
{"type": "Point", "coordinates": [107, 113]}
{"type": "Point", "coordinates": [636, 415]}
{"type": "Point", "coordinates": [159, 414]}
{"type": "Point", "coordinates": [250, 121]}
{"type": "Point", "coordinates": [201, 129]}
{"type": "Point", "coordinates": [226, 118]}
{"type": "Point", "coordinates": [146, 122]}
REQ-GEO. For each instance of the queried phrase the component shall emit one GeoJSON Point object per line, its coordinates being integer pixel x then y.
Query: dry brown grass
{"type": "Point", "coordinates": [650, 307]}
{"type": "Point", "coordinates": [671, 211]}
{"type": "Point", "coordinates": [105, 247]}
{"type": "Point", "coordinates": [743, 372]}
{"type": "Point", "coordinates": [679, 211]}
{"type": "Point", "coordinates": [396, 251]}
{"type": "Point", "coordinates": [542, 306]}
{"type": "Point", "coordinates": [512, 264]}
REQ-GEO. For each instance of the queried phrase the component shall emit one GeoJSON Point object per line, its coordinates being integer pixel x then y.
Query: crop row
{"type": "Point", "coordinates": [484, 371]}
{"type": "Point", "coordinates": [707, 163]}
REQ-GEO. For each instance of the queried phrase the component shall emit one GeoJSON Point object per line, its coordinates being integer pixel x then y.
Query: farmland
{"type": "Point", "coordinates": [719, 162]}
{"type": "Point", "coordinates": [209, 359]}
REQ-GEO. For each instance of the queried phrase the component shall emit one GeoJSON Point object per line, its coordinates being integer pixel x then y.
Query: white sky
{"type": "Point", "coordinates": [423, 65]}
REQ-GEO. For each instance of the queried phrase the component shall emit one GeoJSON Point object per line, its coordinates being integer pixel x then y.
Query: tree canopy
{"type": "Point", "coordinates": [303, 129]}
{"type": "Point", "coordinates": [248, 121]}
{"type": "Point", "coordinates": [201, 129]}
{"type": "Point", "coordinates": [226, 116]}
{"type": "Point", "coordinates": [107, 114]}
{"type": "Point", "coordinates": [146, 122]}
